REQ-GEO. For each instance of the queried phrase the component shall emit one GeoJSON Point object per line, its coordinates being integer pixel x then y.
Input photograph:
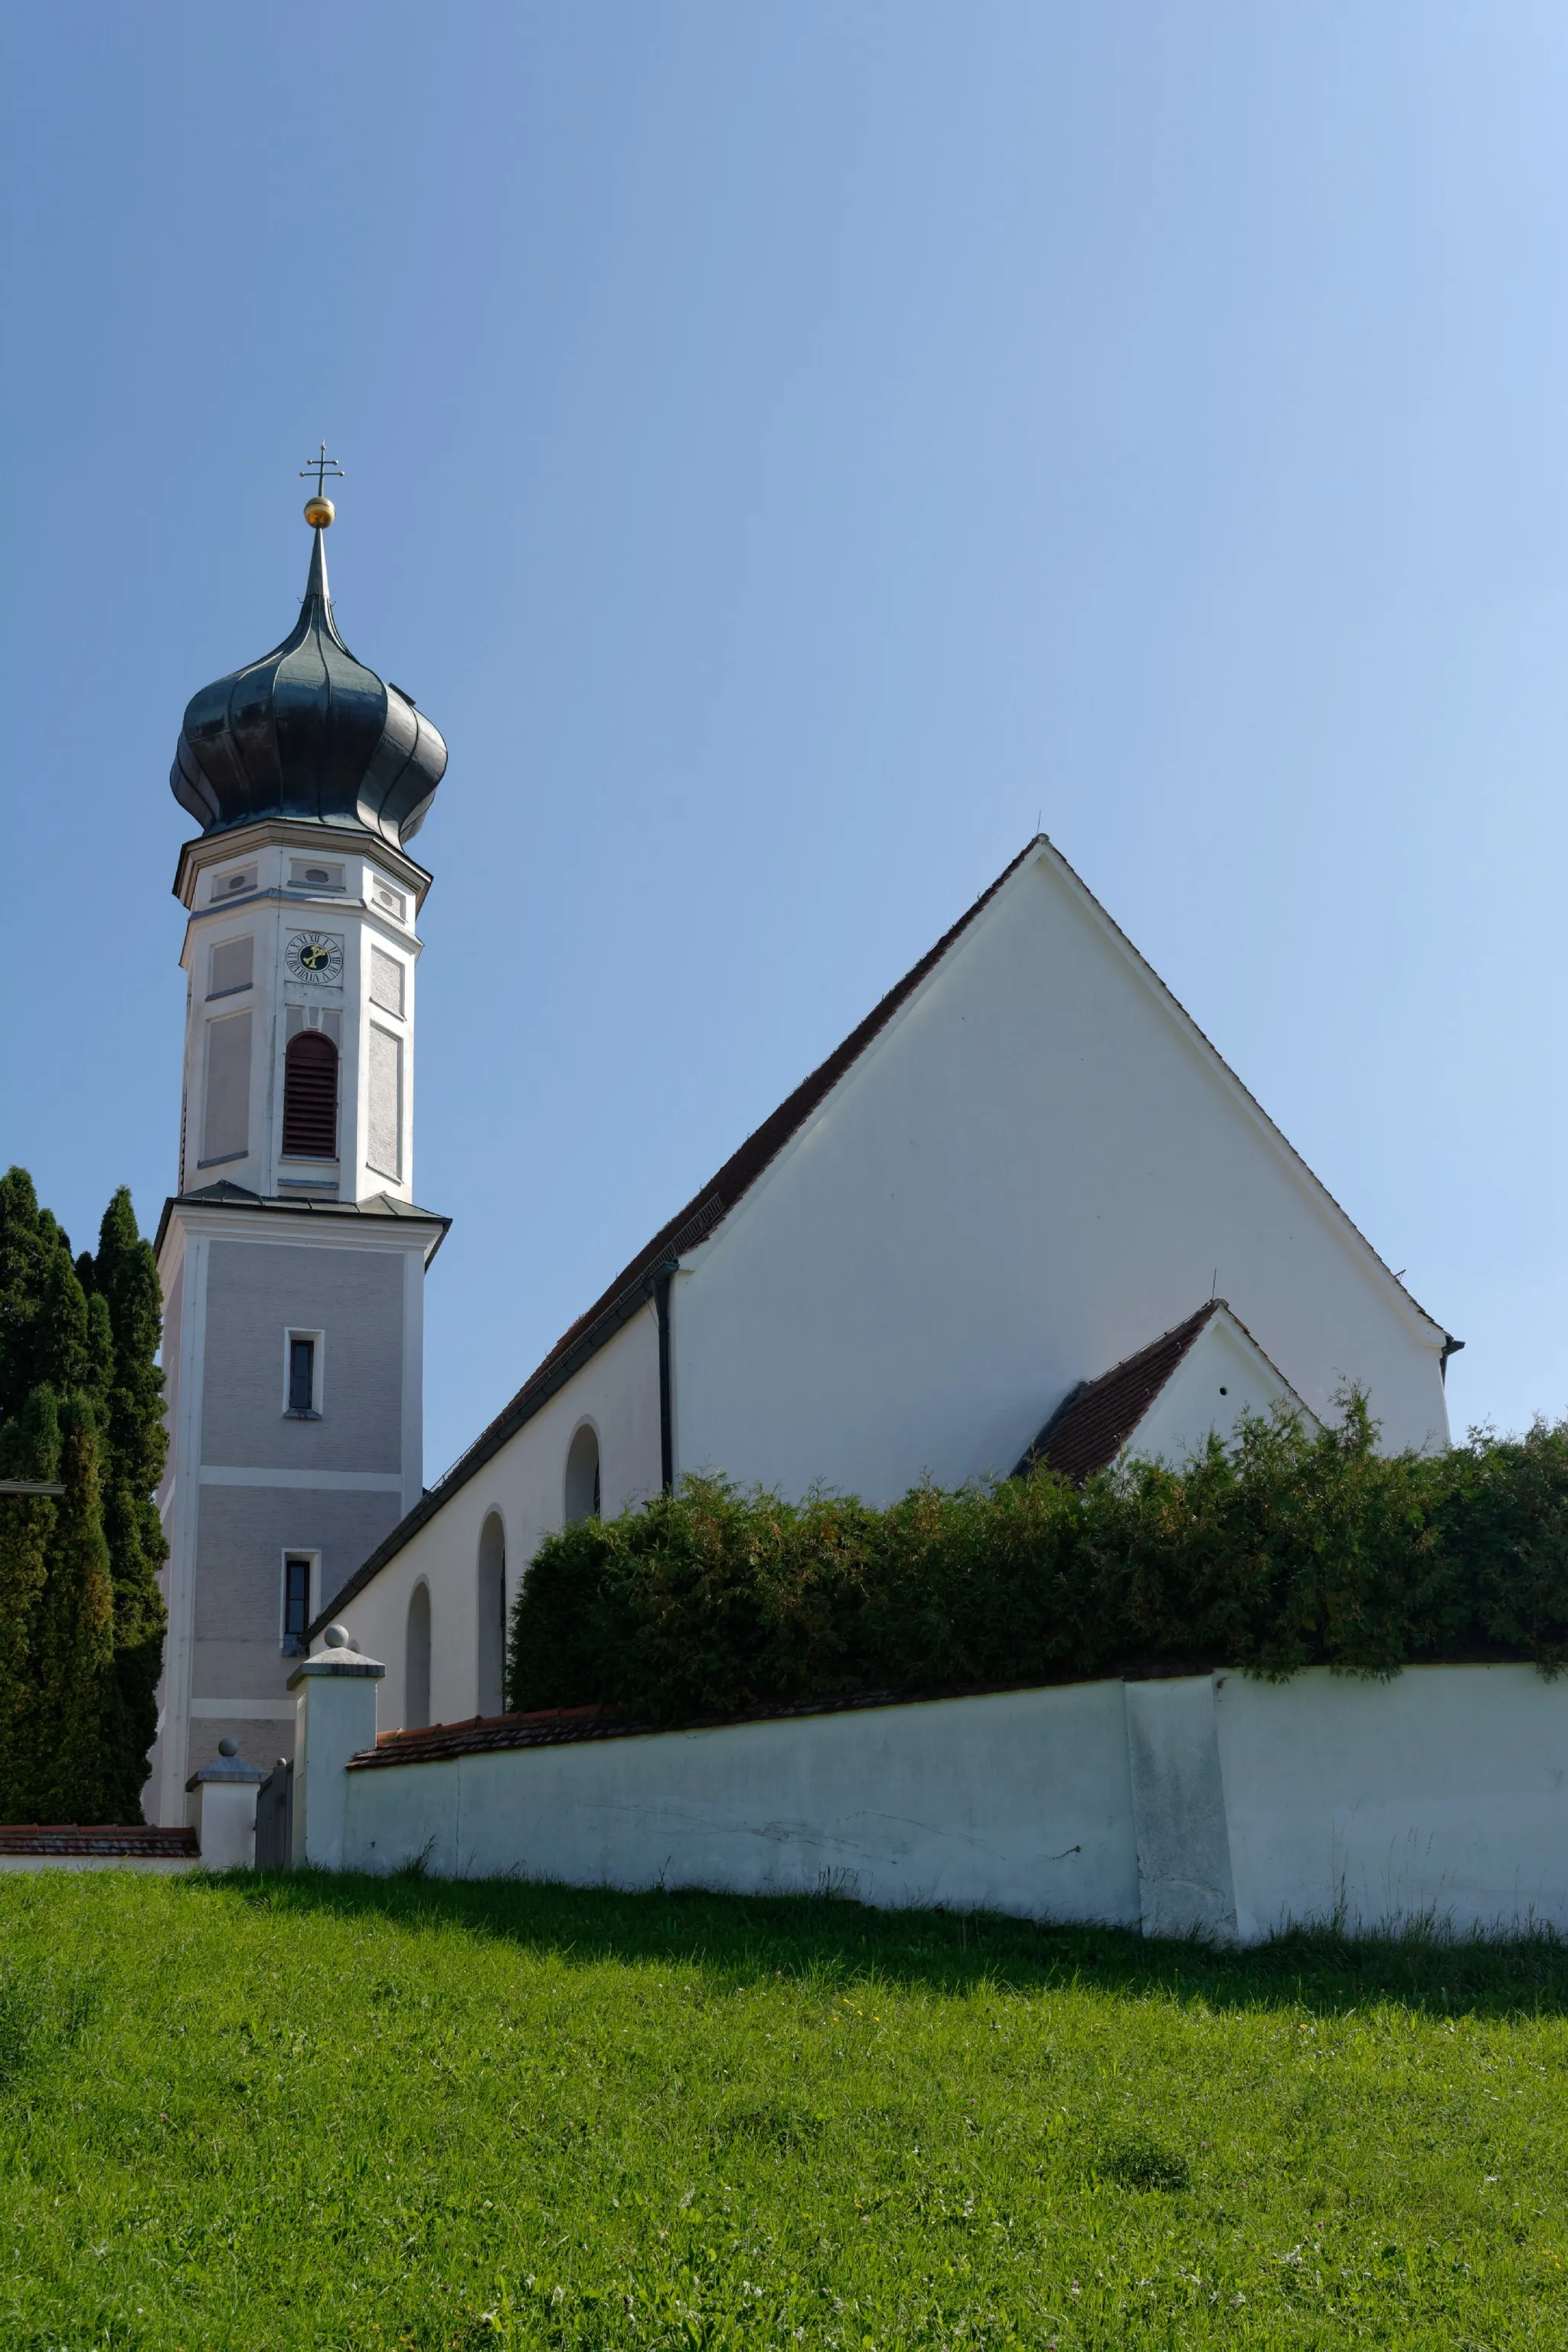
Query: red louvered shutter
{"type": "Point", "coordinates": [310, 1098]}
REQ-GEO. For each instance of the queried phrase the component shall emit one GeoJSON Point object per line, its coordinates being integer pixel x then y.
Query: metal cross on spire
{"type": "Point", "coordinates": [321, 466]}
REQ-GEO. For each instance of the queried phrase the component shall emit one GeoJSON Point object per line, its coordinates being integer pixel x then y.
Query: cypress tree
{"type": "Point", "coordinates": [65, 1773]}
{"type": "Point", "coordinates": [125, 1286]}
{"type": "Point", "coordinates": [29, 1448]}
{"type": "Point", "coordinates": [81, 1636]}
{"type": "Point", "coordinates": [23, 1253]}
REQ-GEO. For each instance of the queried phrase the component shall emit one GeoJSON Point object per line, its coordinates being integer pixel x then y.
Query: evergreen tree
{"type": "Point", "coordinates": [82, 1628]}
{"type": "Point", "coordinates": [125, 1286]}
{"type": "Point", "coordinates": [29, 1448]}
{"type": "Point", "coordinates": [23, 1255]}
{"type": "Point", "coordinates": [65, 1772]}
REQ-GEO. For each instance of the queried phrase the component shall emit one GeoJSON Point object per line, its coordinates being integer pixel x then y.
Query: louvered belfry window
{"type": "Point", "coordinates": [310, 1098]}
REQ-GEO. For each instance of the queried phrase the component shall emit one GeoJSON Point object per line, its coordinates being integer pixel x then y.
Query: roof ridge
{"type": "Point", "coordinates": [1187, 1331]}
{"type": "Point", "coordinates": [1236, 1081]}
{"type": "Point", "coordinates": [713, 1202]}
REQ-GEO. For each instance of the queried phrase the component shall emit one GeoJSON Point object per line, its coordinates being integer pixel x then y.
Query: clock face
{"type": "Point", "coordinates": [315, 957]}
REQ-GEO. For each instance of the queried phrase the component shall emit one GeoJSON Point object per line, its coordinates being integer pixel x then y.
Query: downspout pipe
{"type": "Point", "coordinates": [662, 1278]}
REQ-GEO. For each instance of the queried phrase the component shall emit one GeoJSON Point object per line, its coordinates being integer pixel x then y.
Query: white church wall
{"type": "Point", "coordinates": [1037, 1169]}
{"type": "Point", "coordinates": [1443, 1791]}
{"type": "Point", "coordinates": [1211, 1803]}
{"type": "Point", "coordinates": [1222, 1376]}
{"type": "Point", "coordinates": [616, 1391]}
{"type": "Point", "coordinates": [1020, 1802]}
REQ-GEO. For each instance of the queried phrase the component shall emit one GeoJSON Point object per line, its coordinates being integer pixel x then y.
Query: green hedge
{"type": "Point", "coordinates": [1293, 1547]}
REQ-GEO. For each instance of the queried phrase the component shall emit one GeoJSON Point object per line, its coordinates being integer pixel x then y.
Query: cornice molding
{"type": "Point", "coordinates": [319, 1224]}
{"type": "Point", "coordinates": [291, 832]}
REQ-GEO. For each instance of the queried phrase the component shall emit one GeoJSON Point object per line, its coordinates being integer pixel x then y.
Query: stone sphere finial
{"type": "Point", "coordinates": [228, 1748]}
{"type": "Point", "coordinates": [336, 1637]}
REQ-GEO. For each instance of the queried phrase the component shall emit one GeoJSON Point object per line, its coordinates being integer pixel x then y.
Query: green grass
{"type": "Point", "coordinates": [326, 2112]}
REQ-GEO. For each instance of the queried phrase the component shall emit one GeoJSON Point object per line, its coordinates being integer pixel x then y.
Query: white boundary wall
{"type": "Point", "coordinates": [1210, 1803]}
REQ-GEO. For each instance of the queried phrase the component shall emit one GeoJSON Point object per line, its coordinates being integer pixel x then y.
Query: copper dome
{"type": "Point", "coordinates": [308, 732]}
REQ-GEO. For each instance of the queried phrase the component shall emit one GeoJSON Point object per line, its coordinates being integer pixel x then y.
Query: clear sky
{"type": "Point", "coordinates": [791, 451]}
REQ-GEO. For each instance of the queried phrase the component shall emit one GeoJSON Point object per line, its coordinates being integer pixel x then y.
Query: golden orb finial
{"type": "Point", "coordinates": [319, 508]}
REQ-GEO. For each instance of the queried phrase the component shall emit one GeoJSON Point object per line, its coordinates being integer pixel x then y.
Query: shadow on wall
{"type": "Point", "coordinates": [822, 1940]}
{"type": "Point", "coordinates": [416, 1660]}
{"type": "Point", "coordinates": [490, 1614]}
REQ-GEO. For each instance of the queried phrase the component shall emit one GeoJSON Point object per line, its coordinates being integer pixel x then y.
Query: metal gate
{"type": "Point", "coordinates": [275, 1818]}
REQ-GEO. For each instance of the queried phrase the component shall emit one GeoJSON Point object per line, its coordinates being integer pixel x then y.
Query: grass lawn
{"type": "Point", "coordinates": [307, 2111]}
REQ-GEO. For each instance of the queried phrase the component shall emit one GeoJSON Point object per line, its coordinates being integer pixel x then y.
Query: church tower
{"type": "Point", "coordinates": [292, 1254]}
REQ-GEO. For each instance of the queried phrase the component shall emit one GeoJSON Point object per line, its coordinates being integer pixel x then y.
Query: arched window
{"type": "Point", "coordinates": [583, 1476]}
{"type": "Point", "coordinates": [310, 1096]}
{"type": "Point", "coordinates": [416, 1661]}
{"type": "Point", "coordinates": [492, 1616]}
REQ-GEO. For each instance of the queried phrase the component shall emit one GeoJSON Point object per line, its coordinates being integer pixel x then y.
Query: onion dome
{"type": "Point", "coordinates": [308, 732]}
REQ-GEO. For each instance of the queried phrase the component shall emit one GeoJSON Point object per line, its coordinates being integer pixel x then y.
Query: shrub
{"type": "Point", "coordinates": [1292, 1546]}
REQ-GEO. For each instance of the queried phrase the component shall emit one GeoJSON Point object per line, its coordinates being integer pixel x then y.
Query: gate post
{"type": "Point", "coordinates": [226, 1810]}
{"type": "Point", "coordinates": [335, 1719]}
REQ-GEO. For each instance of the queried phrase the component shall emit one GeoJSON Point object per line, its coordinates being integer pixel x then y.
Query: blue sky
{"type": "Point", "coordinates": [790, 452]}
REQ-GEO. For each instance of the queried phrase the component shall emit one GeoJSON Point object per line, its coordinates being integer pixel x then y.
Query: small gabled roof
{"type": "Point", "coordinates": [1095, 1420]}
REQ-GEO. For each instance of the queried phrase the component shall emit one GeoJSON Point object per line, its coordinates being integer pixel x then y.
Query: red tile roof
{"type": "Point", "coordinates": [563, 1726]}
{"type": "Point", "coordinates": [134, 1841]}
{"type": "Point", "coordinates": [1094, 1420]}
{"type": "Point", "coordinates": [478, 1735]}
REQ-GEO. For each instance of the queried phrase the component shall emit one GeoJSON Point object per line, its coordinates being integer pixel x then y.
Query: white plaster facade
{"type": "Point", "coordinates": [1212, 1803]}
{"type": "Point", "coordinates": [253, 886]}
{"type": "Point", "coordinates": [524, 1486]}
{"type": "Point", "coordinates": [260, 1248]}
{"type": "Point", "coordinates": [1031, 1165]}
{"type": "Point", "coordinates": [1038, 1166]}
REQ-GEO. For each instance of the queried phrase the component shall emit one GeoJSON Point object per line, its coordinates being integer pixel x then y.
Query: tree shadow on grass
{"type": "Point", "coordinates": [825, 1939]}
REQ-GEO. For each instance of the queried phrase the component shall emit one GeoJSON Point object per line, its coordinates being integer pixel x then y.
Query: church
{"type": "Point", "coordinates": [1023, 1212]}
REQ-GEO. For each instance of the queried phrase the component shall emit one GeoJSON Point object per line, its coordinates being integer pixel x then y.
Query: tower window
{"type": "Point", "coordinates": [296, 1604]}
{"type": "Point", "coordinates": [303, 1374]}
{"type": "Point", "coordinates": [310, 1098]}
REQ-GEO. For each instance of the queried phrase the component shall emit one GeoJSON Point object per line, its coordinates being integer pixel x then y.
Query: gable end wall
{"type": "Point", "coordinates": [1037, 1167]}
